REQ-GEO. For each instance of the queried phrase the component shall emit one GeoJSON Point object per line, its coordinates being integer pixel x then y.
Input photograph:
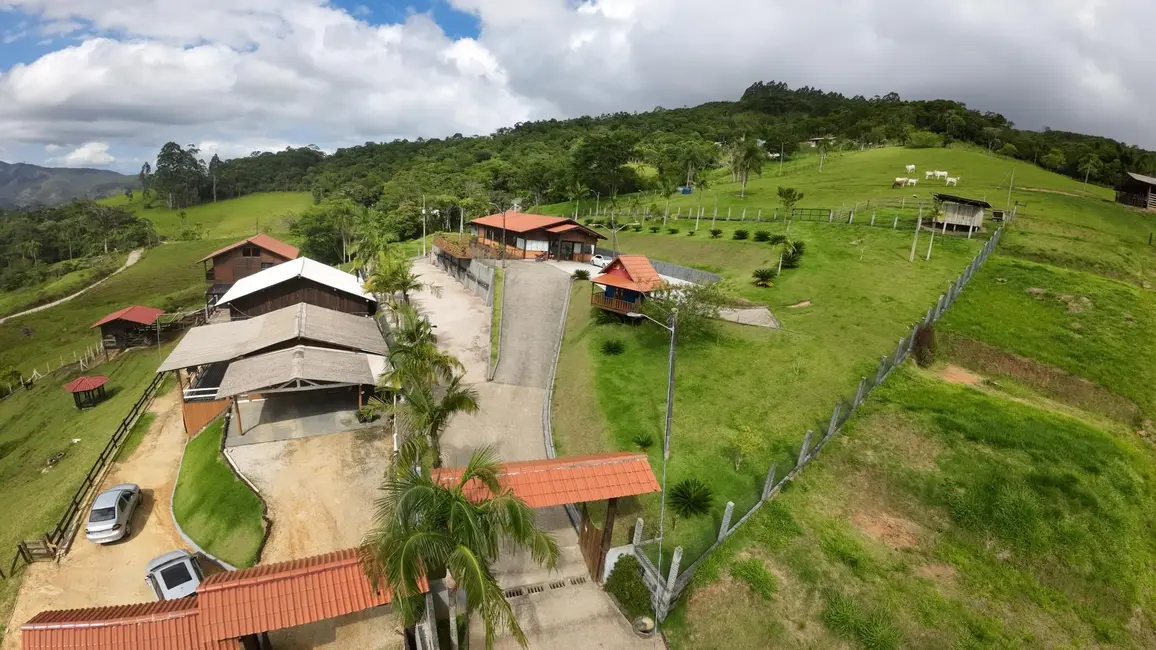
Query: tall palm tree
{"type": "Point", "coordinates": [424, 413]}
{"type": "Point", "coordinates": [426, 529]}
{"type": "Point", "coordinates": [749, 158]}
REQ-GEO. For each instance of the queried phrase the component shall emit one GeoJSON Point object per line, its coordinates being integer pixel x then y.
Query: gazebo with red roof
{"type": "Point", "coordinates": [524, 236]}
{"type": "Point", "coordinates": [624, 284]}
{"type": "Point", "coordinates": [119, 329]}
{"type": "Point", "coordinates": [87, 391]}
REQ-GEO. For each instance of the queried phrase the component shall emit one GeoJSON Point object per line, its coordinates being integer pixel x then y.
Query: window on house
{"type": "Point", "coordinates": [250, 251]}
{"type": "Point", "coordinates": [267, 265]}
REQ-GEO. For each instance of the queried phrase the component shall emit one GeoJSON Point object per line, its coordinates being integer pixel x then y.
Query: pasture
{"type": "Point", "coordinates": [65, 284]}
{"type": "Point", "coordinates": [233, 218]}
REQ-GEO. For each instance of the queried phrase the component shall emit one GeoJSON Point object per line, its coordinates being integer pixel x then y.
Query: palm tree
{"type": "Point", "coordinates": [424, 413]}
{"type": "Point", "coordinates": [764, 277]}
{"type": "Point", "coordinates": [748, 158]}
{"type": "Point", "coordinates": [424, 529]}
{"type": "Point", "coordinates": [690, 498]}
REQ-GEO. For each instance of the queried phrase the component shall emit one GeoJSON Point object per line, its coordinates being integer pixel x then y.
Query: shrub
{"type": "Point", "coordinates": [691, 498]}
{"type": "Point", "coordinates": [924, 140]}
{"type": "Point", "coordinates": [637, 227]}
{"type": "Point", "coordinates": [655, 228]}
{"type": "Point", "coordinates": [673, 231]}
{"type": "Point", "coordinates": [690, 233]}
{"type": "Point", "coordinates": [741, 234]}
{"type": "Point", "coordinates": [625, 584]}
{"type": "Point", "coordinates": [762, 235]}
{"type": "Point", "coordinates": [925, 346]}
{"type": "Point", "coordinates": [589, 221]}
{"type": "Point", "coordinates": [581, 274]}
{"type": "Point", "coordinates": [754, 573]}
{"type": "Point", "coordinates": [776, 239]}
{"type": "Point", "coordinates": [613, 347]}
{"type": "Point", "coordinates": [367, 414]}
{"type": "Point", "coordinates": [715, 233]}
{"type": "Point", "coordinates": [764, 277]}
{"type": "Point", "coordinates": [793, 254]}
{"type": "Point", "coordinates": [603, 317]}
{"type": "Point", "coordinates": [643, 440]}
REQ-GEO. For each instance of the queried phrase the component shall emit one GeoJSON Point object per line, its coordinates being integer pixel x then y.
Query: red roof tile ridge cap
{"type": "Point", "coordinates": [314, 564]}
{"type": "Point", "coordinates": [189, 608]}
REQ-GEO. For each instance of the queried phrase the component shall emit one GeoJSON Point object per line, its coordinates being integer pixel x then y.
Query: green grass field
{"type": "Point", "coordinates": [945, 517]}
{"type": "Point", "coordinates": [496, 317]}
{"type": "Point", "coordinates": [65, 285]}
{"type": "Point", "coordinates": [230, 218]}
{"type": "Point", "coordinates": [39, 423]}
{"type": "Point", "coordinates": [213, 506]}
{"type": "Point", "coordinates": [864, 295]}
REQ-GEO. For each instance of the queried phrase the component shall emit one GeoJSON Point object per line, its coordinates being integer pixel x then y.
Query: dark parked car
{"type": "Point", "coordinates": [111, 516]}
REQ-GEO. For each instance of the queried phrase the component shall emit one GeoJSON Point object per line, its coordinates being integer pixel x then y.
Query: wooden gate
{"type": "Point", "coordinates": [590, 541]}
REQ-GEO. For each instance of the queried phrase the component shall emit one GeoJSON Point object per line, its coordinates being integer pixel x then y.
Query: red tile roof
{"type": "Point", "coordinates": [81, 384]}
{"type": "Point", "coordinates": [275, 246]}
{"type": "Point", "coordinates": [164, 625]}
{"type": "Point", "coordinates": [642, 276]}
{"type": "Point", "coordinates": [543, 483]}
{"type": "Point", "coordinates": [522, 222]}
{"type": "Point", "coordinates": [276, 596]}
{"type": "Point", "coordinates": [135, 314]}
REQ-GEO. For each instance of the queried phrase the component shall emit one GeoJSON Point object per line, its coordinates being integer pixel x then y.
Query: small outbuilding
{"type": "Point", "coordinates": [1138, 191]}
{"type": "Point", "coordinates": [87, 391]}
{"type": "Point", "coordinates": [624, 284]}
{"type": "Point", "coordinates": [960, 213]}
{"type": "Point", "coordinates": [127, 327]}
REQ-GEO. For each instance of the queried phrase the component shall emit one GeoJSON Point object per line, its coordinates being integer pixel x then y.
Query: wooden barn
{"type": "Point", "coordinates": [301, 280]}
{"type": "Point", "coordinates": [1138, 191]}
{"type": "Point", "coordinates": [127, 327]}
{"type": "Point", "coordinates": [242, 259]}
{"type": "Point", "coordinates": [960, 213]}
{"type": "Point", "coordinates": [531, 235]}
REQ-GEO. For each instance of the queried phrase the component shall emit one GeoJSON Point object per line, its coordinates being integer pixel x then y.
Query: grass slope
{"type": "Point", "coordinates": [774, 383]}
{"type": "Point", "coordinates": [945, 517]}
{"type": "Point", "coordinates": [231, 218]}
{"type": "Point", "coordinates": [39, 423]}
{"type": "Point", "coordinates": [213, 506]}
{"type": "Point", "coordinates": [65, 285]}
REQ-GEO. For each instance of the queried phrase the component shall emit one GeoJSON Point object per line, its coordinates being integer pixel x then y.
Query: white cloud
{"type": "Point", "coordinates": [86, 155]}
{"type": "Point", "coordinates": [265, 73]}
{"type": "Point", "coordinates": [52, 148]}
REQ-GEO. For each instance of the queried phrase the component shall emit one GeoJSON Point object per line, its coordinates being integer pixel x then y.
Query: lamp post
{"type": "Point", "coordinates": [673, 330]}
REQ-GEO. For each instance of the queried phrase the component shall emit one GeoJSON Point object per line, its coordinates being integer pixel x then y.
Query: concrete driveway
{"type": "Point", "coordinates": [288, 416]}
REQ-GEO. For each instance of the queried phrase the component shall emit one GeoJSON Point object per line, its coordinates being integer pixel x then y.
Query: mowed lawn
{"type": "Point", "coordinates": [39, 423]}
{"type": "Point", "coordinates": [775, 384]}
{"type": "Point", "coordinates": [166, 272]}
{"type": "Point", "coordinates": [234, 218]}
{"type": "Point", "coordinates": [944, 517]}
{"type": "Point", "coordinates": [213, 506]}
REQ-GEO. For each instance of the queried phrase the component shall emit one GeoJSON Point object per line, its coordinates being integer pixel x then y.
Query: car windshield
{"type": "Point", "coordinates": [176, 575]}
{"type": "Point", "coordinates": [102, 514]}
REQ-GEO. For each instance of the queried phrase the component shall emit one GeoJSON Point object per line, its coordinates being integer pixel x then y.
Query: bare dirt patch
{"type": "Point", "coordinates": [938, 573]}
{"type": "Point", "coordinates": [1047, 191]}
{"type": "Point", "coordinates": [957, 375]}
{"type": "Point", "coordinates": [896, 533]}
{"type": "Point", "coordinates": [1076, 304]}
{"type": "Point", "coordinates": [805, 303]}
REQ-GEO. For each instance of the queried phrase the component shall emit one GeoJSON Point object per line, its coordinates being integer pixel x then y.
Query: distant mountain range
{"type": "Point", "coordinates": [23, 185]}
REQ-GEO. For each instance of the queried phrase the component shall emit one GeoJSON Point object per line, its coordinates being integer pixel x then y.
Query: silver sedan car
{"type": "Point", "coordinates": [111, 517]}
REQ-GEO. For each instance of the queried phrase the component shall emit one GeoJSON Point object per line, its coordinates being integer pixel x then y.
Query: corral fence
{"type": "Point", "coordinates": [56, 542]}
{"type": "Point", "coordinates": [668, 579]}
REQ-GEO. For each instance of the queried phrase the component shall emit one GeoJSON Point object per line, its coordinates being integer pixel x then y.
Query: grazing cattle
{"type": "Point", "coordinates": [953, 180]}
{"type": "Point", "coordinates": [899, 182]}
{"type": "Point", "coordinates": [927, 175]}
{"type": "Point", "coordinates": [939, 174]}
{"type": "Point", "coordinates": [911, 169]}
{"type": "Point", "coordinates": [912, 181]}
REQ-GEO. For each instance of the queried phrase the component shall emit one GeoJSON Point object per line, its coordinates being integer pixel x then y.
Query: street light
{"type": "Point", "coordinates": [673, 330]}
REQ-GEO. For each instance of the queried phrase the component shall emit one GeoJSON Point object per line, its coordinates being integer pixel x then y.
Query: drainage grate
{"type": "Point", "coordinates": [578, 580]}
{"type": "Point", "coordinates": [536, 589]}
{"type": "Point", "coordinates": [515, 592]}
{"type": "Point", "coordinates": [557, 584]}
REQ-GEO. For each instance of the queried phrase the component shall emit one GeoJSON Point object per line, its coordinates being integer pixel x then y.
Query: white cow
{"type": "Point", "coordinates": [939, 174]}
{"type": "Point", "coordinates": [912, 181]}
{"type": "Point", "coordinates": [953, 180]}
{"type": "Point", "coordinates": [928, 175]}
{"type": "Point", "coordinates": [899, 182]}
{"type": "Point", "coordinates": [911, 169]}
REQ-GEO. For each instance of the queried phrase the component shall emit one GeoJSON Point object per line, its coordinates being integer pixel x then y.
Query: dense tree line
{"type": "Point", "coordinates": [34, 242]}
{"type": "Point", "coordinates": [182, 177]}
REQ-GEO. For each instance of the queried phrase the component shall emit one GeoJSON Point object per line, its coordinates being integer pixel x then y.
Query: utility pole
{"type": "Point", "coordinates": [423, 225]}
{"type": "Point", "coordinates": [781, 149]}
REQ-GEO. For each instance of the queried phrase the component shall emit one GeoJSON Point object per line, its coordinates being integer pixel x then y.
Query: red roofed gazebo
{"type": "Point", "coordinates": [117, 328]}
{"type": "Point", "coordinates": [87, 391]}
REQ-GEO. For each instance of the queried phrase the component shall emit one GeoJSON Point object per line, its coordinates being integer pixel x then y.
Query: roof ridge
{"type": "Point", "coordinates": [269, 573]}
{"type": "Point", "coordinates": [166, 610]}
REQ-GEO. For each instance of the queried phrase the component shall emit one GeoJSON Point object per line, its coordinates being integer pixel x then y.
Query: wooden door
{"type": "Point", "coordinates": [590, 541]}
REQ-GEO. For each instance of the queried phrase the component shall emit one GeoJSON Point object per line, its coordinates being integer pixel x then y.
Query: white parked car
{"type": "Point", "coordinates": [110, 519]}
{"type": "Point", "coordinates": [173, 575]}
{"type": "Point", "coordinates": [600, 261]}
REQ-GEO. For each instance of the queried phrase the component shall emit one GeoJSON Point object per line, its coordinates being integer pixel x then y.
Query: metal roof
{"type": "Point", "coordinates": [235, 339]}
{"type": "Point", "coordinates": [302, 267]}
{"type": "Point", "coordinates": [543, 483]}
{"type": "Point", "coordinates": [951, 198]}
{"type": "Point", "coordinates": [262, 240]}
{"type": "Point", "coordinates": [300, 363]}
{"type": "Point", "coordinates": [135, 314]}
{"type": "Point", "coordinates": [1142, 178]}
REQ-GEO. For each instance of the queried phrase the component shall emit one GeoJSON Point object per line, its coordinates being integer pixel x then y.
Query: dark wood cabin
{"type": "Point", "coordinates": [127, 327]}
{"type": "Point", "coordinates": [300, 281]}
{"type": "Point", "coordinates": [1138, 191]}
{"type": "Point", "coordinates": [242, 259]}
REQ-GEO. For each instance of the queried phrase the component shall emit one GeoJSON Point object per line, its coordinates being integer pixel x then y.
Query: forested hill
{"type": "Point", "coordinates": [23, 185]}
{"type": "Point", "coordinates": [556, 160]}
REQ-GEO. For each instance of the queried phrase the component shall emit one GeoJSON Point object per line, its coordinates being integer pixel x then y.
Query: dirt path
{"type": "Point", "coordinates": [320, 490]}
{"type": "Point", "coordinates": [92, 575]}
{"type": "Point", "coordinates": [132, 259]}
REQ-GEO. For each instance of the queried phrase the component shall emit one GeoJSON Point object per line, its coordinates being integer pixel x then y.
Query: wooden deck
{"type": "Point", "coordinates": [613, 304]}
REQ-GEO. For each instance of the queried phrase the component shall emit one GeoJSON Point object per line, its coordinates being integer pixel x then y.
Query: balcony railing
{"type": "Point", "coordinates": [613, 304]}
{"type": "Point", "coordinates": [201, 394]}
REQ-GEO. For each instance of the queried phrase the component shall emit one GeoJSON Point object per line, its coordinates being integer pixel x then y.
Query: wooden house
{"type": "Point", "coordinates": [1138, 191]}
{"type": "Point", "coordinates": [960, 213]}
{"type": "Point", "coordinates": [301, 280]}
{"type": "Point", "coordinates": [242, 259]}
{"type": "Point", "coordinates": [624, 284]}
{"type": "Point", "coordinates": [526, 236]}
{"type": "Point", "coordinates": [127, 327]}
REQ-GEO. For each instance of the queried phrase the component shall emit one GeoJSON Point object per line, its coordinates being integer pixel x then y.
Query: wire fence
{"type": "Point", "coordinates": [667, 583]}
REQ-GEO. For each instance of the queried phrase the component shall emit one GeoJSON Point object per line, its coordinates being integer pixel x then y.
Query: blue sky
{"type": "Point", "coordinates": [105, 83]}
